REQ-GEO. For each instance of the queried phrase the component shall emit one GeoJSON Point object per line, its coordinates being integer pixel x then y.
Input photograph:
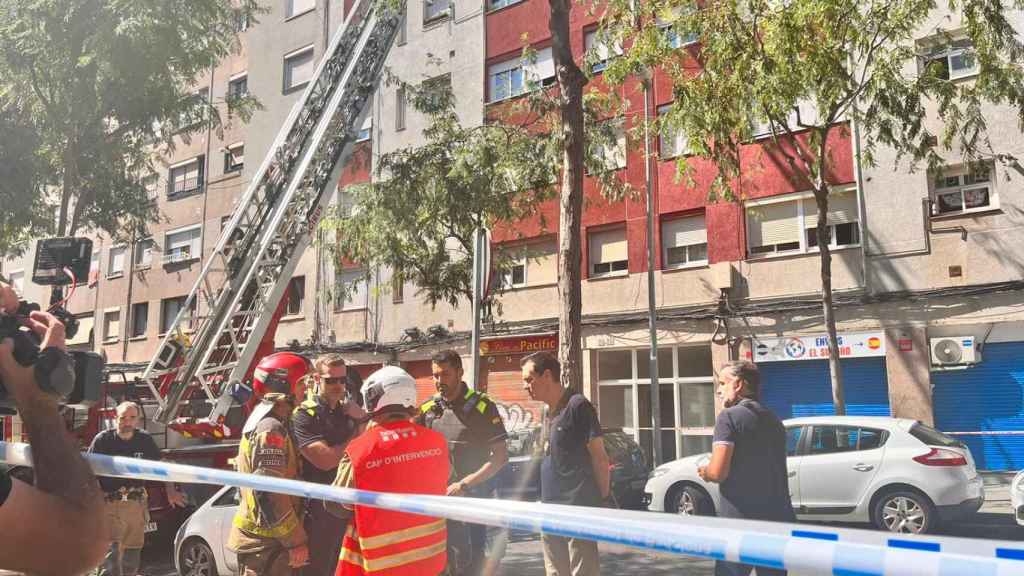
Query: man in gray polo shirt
{"type": "Point", "coordinates": [748, 459]}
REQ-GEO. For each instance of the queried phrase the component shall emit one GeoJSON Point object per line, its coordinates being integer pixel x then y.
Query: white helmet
{"type": "Point", "coordinates": [389, 386]}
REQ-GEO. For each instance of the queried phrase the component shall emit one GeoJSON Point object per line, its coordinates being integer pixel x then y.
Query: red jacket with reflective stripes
{"type": "Point", "coordinates": [406, 458]}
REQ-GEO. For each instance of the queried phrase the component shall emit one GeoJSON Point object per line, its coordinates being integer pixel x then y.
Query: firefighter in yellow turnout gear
{"type": "Point", "coordinates": [267, 532]}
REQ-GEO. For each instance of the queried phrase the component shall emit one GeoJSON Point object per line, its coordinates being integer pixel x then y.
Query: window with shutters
{"type": "Point", "coordinates": [611, 154]}
{"type": "Point", "coordinates": [608, 253]}
{"type": "Point", "coordinates": [351, 290]}
{"type": "Point", "coordinates": [112, 325]}
{"type": "Point", "coordinates": [684, 242]}
{"type": "Point", "coordinates": [140, 319]}
{"type": "Point", "coordinates": [143, 257]}
{"type": "Point", "coordinates": [435, 10]}
{"type": "Point", "coordinates": [789, 225]}
{"type": "Point", "coordinates": [169, 310]}
{"type": "Point", "coordinates": [293, 8]}
{"type": "Point", "coordinates": [185, 178]}
{"type": "Point", "coordinates": [298, 68]}
{"type": "Point", "coordinates": [598, 51]}
{"type": "Point", "coordinates": [115, 265]}
{"type": "Point", "coordinates": [182, 245]}
{"type": "Point", "coordinates": [517, 75]}
{"type": "Point", "coordinates": [672, 141]}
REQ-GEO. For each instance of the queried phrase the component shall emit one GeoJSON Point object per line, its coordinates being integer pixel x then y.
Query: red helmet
{"type": "Point", "coordinates": [281, 373]}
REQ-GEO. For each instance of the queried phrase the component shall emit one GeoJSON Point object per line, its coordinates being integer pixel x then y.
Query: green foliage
{"type": "Point", "coordinates": [760, 61]}
{"type": "Point", "coordinates": [419, 215]}
{"type": "Point", "coordinates": [106, 86]}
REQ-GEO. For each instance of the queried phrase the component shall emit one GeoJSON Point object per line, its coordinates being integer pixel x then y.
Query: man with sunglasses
{"type": "Point", "coordinates": [322, 427]}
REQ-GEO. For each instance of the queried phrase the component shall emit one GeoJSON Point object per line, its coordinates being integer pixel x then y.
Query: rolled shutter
{"type": "Point", "coordinates": [608, 246]}
{"type": "Point", "coordinates": [842, 209]}
{"type": "Point", "coordinates": [771, 224]}
{"type": "Point", "coordinates": [684, 232]}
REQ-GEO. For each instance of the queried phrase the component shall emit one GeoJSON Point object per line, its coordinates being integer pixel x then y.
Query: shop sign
{"type": "Point", "coordinates": [519, 345]}
{"type": "Point", "coordinates": [866, 345]}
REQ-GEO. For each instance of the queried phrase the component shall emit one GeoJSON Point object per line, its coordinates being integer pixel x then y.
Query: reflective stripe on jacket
{"type": "Point", "coordinates": [406, 458]}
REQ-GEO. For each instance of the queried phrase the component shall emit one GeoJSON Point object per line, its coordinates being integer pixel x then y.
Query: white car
{"type": "Point", "coordinates": [199, 546]}
{"type": "Point", "coordinates": [1017, 497]}
{"type": "Point", "coordinates": [897, 474]}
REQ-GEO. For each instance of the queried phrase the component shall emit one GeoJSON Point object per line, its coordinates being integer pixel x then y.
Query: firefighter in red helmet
{"type": "Point", "coordinates": [267, 533]}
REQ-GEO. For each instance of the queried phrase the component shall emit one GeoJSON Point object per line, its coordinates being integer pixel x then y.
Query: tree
{"type": "Point", "coordinates": [20, 173]}
{"type": "Point", "coordinates": [106, 86]}
{"type": "Point", "coordinates": [813, 68]}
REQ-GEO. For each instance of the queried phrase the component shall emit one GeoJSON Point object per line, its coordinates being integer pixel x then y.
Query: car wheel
{"type": "Point", "coordinates": [904, 512]}
{"type": "Point", "coordinates": [689, 501]}
{"type": "Point", "coordinates": [197, 559]}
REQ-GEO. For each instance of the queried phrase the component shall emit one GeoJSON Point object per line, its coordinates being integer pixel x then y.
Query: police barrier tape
{"type": "Point", "coordinates": [806, 549]}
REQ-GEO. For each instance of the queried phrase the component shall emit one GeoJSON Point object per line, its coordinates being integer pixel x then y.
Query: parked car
{"type": "Point", "coordinates": [199, 547]}
{"type": "Point", "coordinates": [1017, 497]}
{"type": "Point", "coordinates": [897, 474]}
{"type": "Point", "coordinates": [520, 478]}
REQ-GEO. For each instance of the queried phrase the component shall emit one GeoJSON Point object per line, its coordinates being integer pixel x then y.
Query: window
{"type": "Point", "coordinates": [143, 257]}
{"type": "Point", "coordinates": [140, 319]}
{"type": "Point", "coordinates": [181, 245]}
{"type": "Point", "coordinates": [496, 4]}
{"type": "Point", "coordinates": [832, 439]}
{"type": "Point", "coordinates": [397, 288]}
{"type": "Point", "coordinates": [296, 296]}
{"type": "Point", "coordinates": [224, 221]}
{"type": "Point", "coordinates": [241, 20]}
{"type": "Point", "coordinates": [151, 183]}
{"type": "Point", "coordinates": [403, 25]}
{"type": "Point", "coordinates": [612, 155]}
{"type": "Point", "coordinates": [932, 437]}
{"type": "Point", "coordinates": [169, 309]}
{"type": "Point", "coordinates": [790, 225]}
{"type": "Point", "coordinates": [365, 130]}
{"type": "Point", "coordinates": [514, 76]}
{"type": "Point", "coordinates": [677, 40]}
{"type": "Point", "coordinates": [293, 8]}
{"type": "Point", "coordinates": [673, 141]}
{"type": "Point", "coordinates": [843, 229]}
{"type": "Point", "coordinates": [197, 111]}
{"type": "Point", "coordinates": [111, 325]}
{"type": "Point", "coordinates": [434, 10]}
{"type": "Point", "coordinates": [687, 399]}
{"type": "Point", "coordinates": [598, 51]}
{"type": "Point", "coordinates": [793, 436]}
{"type": "Point", "coordinates": [238, 86]}
{"type": "Point", "coordinates": [185, 178]}
{"type": "Point", "coordinates": [608, 255]}
{"type": "Point", "coordinates": [515, 275]}
{"type": "Point", "coordinates": [869, 439]}
{"type": "Point", "coordinates": [351, 291]}
{"type": "Point", "coordinates": [298, 68]}
{"type": "Point", "coordinates": [400, 108]}
{"type": "Point", "coordinates": [115, 265]}
{"type": "Point", "coordinates": [234, 158]}
{"type": "Point", "coordinates": [85, 333]}
{"type": "Point", "coordinates": [94, 267]}
{"type": "Point", "coordinates": [17, 278]}
{"type": "Point", "coordinates": [685, 242]}
{"type": "Point", "coordinates": [229, 498]}
{"type": "Point", "coordinates": [962, 190]}
{"type": "Point", "coordinates": [954, 61]}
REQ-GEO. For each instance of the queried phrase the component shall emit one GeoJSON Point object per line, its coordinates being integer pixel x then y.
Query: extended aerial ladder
{"type": "Point", "coordinates": [245, 278]}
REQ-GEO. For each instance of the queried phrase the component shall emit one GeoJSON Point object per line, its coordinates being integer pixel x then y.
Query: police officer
{"type": "Point", "coordinates": [322, 427]}
{"type": "Point", "coordinates": [476, 436]}
{"type": "Point", "coordinates": [267, 533]}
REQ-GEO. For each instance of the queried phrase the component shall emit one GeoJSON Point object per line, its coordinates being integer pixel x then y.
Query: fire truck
{"type": "Point", "coordinates": [196, 392]}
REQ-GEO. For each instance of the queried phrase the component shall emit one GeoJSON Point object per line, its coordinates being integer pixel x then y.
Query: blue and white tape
{"type": "Point", "coordinates": [802, 548]}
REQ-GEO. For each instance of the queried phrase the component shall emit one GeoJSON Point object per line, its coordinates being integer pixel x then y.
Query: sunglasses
{"type": "Point", "coordinates": [333, 380]}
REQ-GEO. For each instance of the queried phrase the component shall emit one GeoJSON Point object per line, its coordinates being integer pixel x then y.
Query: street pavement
{"type": "Point", "coordinates": [524, 557]}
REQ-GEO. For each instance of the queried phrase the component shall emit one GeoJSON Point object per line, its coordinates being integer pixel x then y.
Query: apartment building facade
{"type": "Point", "coordinates": [937, 261]}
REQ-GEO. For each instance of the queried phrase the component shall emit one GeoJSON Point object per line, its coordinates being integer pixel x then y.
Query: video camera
{"type": "Point", "coordinates": [58, 262]}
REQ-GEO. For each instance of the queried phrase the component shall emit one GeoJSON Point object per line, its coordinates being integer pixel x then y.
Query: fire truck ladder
{"type": "Point", "coordinates": [245, 278]}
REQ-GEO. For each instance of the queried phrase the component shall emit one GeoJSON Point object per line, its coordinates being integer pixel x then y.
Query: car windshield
{"type": "Point", "coordinates": [933, 437]}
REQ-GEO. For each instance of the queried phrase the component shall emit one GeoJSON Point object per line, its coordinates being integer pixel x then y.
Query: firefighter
{"type": "Point", "coordinates": [394, 455]}
{"type": "Point", "coordinates": [267, 533]}
{"type": "Point", "coordinates": [476, 436]}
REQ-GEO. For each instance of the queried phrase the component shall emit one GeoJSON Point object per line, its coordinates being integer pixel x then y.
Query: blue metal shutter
{"type": "Point", "coordinates": [986, 397]}
{"type": "Point", "coordinates": [794, 389]}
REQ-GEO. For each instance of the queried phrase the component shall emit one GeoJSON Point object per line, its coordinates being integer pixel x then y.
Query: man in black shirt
{"type": "Point", "coordinates": [127, 501]}
{"type": "Point", "coordinates": [575, 468]}
{"type": "Point", "coordinates": [748, 458]}
{"type": "Point", "coordinates": [476, 436]}
{"type": "Point", "coordinates": [322, 427]}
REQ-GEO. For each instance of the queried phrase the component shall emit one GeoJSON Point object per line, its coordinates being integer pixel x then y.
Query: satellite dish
{"type": "Point", "coordinates": [948, 351]}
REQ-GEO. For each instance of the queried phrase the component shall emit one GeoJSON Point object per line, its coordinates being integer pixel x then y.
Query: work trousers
{"type": "Point", "coordinates": [325, 532]}
{"type": "Point", "coordinates": [273, 562]}
{"type": "Point", "coordinates": [127, 520]}
{"type": "Point", "coordinates": [570, 556]}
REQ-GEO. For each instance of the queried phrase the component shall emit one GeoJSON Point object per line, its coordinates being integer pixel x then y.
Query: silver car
{"type": "Point", "coordinates": [897, 474]}
{"type": "Point", "coordinates": [199, 546]}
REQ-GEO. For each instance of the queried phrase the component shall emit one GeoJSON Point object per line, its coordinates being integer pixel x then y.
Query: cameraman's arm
{"type": "Point", "coordinates": [64, 510]}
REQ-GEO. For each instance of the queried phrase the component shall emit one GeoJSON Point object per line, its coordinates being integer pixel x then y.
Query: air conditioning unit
{"type": "Point", "coordinates": [953, 351]}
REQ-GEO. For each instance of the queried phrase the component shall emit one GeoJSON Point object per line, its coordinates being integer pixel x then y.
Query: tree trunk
{"type": "Point", "coordinates": [69, 184]}
{"type": "Point", "coordinates": [570, 83]}
{"type": "Point", "coordinates": [834, 368]}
